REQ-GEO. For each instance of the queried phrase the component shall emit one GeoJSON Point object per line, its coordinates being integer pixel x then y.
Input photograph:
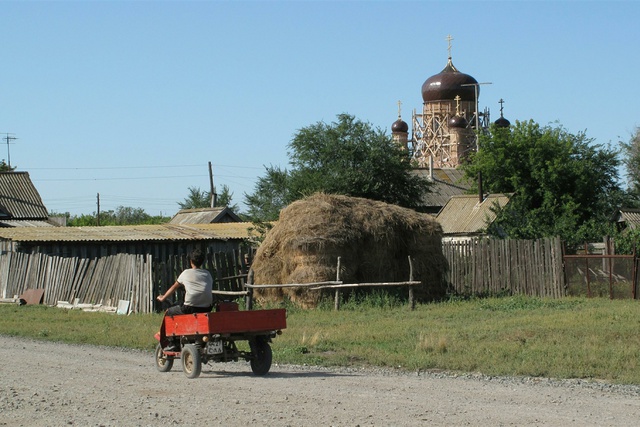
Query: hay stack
{"type": "Point", "coordinates": [373, 239]}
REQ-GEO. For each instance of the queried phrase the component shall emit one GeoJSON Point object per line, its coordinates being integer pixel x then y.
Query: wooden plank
{"type": "Point", "coordinates": [292, 285]}
{"type": "Point", "coordinates": [360, 285]}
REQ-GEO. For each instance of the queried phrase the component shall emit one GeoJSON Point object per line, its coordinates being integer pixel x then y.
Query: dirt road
{"type": "Point", "coordinates": [45, 384]}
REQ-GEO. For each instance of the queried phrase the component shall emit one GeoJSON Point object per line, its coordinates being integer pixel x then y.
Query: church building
{"type": "Point", "coordinates": [445, 131]}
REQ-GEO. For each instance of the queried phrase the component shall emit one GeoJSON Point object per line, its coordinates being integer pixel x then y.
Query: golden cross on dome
{"type": "Point", "coordinates": [457, 98]}
{"type": "Point", "coordinates": [449, 39]}
{"type": "Point", "coordinates": [399, 104]}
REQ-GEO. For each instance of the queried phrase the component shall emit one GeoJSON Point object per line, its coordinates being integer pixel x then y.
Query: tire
{"type": "Point", "coordinates": [261, 352]}
{"type": "Point", "coordinates": [191, 361]}
{"type": "Point", "coordinates": [164, 363]}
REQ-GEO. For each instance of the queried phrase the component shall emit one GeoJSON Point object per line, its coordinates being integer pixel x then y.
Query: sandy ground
{"type": "Point", "coordinates": [47, 384]}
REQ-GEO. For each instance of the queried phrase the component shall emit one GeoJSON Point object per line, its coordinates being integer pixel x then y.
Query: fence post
{"type": "Point", "coordinates": [336, 298]}
{"type": "Point", "coordinates": [249, 298]}
{"type": "Point", "coordinates": [412, 301]}
{"type": "Point", "coordinates": [635, 273]}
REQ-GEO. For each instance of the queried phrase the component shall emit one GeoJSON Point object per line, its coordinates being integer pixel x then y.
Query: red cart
{"type": "Point", "coordinates": [211, 337]}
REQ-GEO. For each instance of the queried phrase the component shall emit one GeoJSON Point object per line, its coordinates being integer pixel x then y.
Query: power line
{"type": "Point", "coordinates": [141, 167]}
{"type": "Point", "coordinates": [137, 178]}
{"type": "Point", "coordinates": [117, 179]}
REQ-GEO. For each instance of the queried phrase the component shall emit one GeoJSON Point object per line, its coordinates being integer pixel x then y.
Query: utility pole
{"type": "Point", "coordinates": [212, 189]}
{"type": "Point", "coordinates": [98, 212]}
{"type": "Point", "coordinates": [8, 138]}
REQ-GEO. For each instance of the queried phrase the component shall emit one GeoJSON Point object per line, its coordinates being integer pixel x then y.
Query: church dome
{"type": "Point", "coordinates": [502, 122]}
{"type": "Point", "coordinates": [399, 126]}
{"type": "Point", "coordinates": [458, 122]}
{"type": "Point", "coordinates": [447, 84]}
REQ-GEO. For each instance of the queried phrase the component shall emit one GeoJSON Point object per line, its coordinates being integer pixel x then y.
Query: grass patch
{"type": "Point", "coordinates": [565, 338]}
{"type": "Point", "coordinates": [79, 327]}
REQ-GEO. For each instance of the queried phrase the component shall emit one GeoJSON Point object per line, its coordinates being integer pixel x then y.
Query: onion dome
{"type": "Point", "coordinates": [458, 122]}
{"type": "Point", "coordinates": [399, 126]}
{"type": "Point", "coordinates": [502, 122]}
{"type": "Point", "coordinates": [448, 83]}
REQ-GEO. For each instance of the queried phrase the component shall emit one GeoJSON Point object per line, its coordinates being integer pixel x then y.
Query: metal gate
{"type": "Point", "coordinates": [601, 275]}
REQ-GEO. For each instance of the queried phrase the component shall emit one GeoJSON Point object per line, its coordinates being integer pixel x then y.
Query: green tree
{"type": "Point", "coordinates": [631, 160]}
{"type": "Point", "coordinates": [225, 198]}
{"type": "Point", "coordinates": [196, 199]}
{"type": "Point", "coordinates": [562, 184]}
{"type": "Point", "coordinates": [123, 215]}
{"type": "Point", "coordinates": [202, 199]}
{"type": "Point", "coordinates": [270, 195]}
{"type": "Point", "coordinates": [4, 167]}
{"type": "Point", "coordinates": [347, 157]}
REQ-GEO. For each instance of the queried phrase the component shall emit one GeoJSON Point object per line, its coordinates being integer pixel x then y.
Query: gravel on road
{"type": "Point", "coordinates": [52, 384]}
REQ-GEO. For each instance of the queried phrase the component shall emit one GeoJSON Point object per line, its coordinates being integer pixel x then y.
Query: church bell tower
{"type": "Point", "coordinates": [445, 131]}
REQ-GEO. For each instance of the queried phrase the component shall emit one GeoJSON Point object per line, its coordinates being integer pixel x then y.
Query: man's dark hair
{"type": "Point", "coordinates": [197, 257]}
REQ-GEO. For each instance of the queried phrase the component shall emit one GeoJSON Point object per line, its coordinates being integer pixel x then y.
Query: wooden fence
{"type": "Point", "coordinates": [336, 285]}
{"type": "Point", "coordinates": [491, 267]}
{"type": "Point", "coordinates": [106, 281]}
{"type": "Point", "coordinates": [102, 281]}
{"type": "Point", "coordinates": [480, 267]}
{"type": "Point", "coordinates": [229, 271]}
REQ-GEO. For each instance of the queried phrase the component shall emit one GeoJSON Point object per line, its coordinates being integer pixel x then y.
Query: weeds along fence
{"type": "Point", "coordinates": [492, 267]}
{"type": "Point", "coordinates": [106, 281]}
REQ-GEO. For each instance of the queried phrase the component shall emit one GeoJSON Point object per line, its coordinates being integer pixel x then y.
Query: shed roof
{"type": "Point", "coordinates": [464, 215]}
{"type": "Point", "coordinates": [127, 233]}
{"type": "Point", "coordinates": [27, 223]}
{"type": "Point", "coordinates": [628, 216]}
{"type": "Point", "coordinates": [205, 216]}
{"type": "Point", "coordinates": [19, 198]}
{"type": "Point", "coordinates": [447, 182]}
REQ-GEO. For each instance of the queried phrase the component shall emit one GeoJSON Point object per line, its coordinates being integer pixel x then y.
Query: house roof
{"type": "Point", "coordinates": [27, 223]}
{"type": "Point", "coordinates": [125, 233]}
{"type": "Point", "coordinates": [630, 217]}
{"type": "Point", "coordinates": [447, 182]}
{"type": "Point", "coordinates": [205, 216]}
{"type": "Point", "coordinates": [19, 199]}
{"type": "Point", "coordinates": [464, 215]}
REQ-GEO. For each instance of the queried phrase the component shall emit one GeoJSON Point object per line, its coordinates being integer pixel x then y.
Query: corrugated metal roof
{"type": "Point", "coordinates": [26, 223]}
{"type": "Point", "coordinates": [19, 199]}
{"type": "Point", "coordinates": [629, 216]}
{"type": "Point", "coordinates": [125, 233]}
{"type": "Point", "coordinates": [204, 216]}
{"type": "Point", "coordinates": [464, 215]}
{"type": "Point", "coordinates": [447, 182]}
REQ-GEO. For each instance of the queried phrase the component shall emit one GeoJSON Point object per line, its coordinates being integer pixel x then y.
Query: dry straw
{"type": "Point", "coordinates": [373, 239]}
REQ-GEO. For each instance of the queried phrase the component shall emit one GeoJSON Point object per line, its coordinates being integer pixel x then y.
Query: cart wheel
{"type": "Point", "coordinates": [164, 363]}
{"type": "Point", "coordinates": [261, 360]}
{"type": "Point", "coordinates": [191, 363]}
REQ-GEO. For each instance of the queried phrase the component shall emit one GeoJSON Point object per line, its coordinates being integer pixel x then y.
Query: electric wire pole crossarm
{"type": "Point", "coordinates": [8, 138]}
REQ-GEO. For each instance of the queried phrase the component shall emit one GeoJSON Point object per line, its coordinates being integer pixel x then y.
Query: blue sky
{"type": "Point", "coordinates": [132, 99]}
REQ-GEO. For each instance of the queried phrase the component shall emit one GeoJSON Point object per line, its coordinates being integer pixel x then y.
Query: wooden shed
{"type": "Point", "coordinates": [445, 183]}
{"type": "Point", "coordinates": [626, 219]}
{"type": "Point", "coordinates": [107, 265]}
{"type": "Point", "coordinates": [466, 216]}
{"type": "Point", "coordinates": [205, 216]}
{"type": "Point", "coordinates": [160, 241]}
